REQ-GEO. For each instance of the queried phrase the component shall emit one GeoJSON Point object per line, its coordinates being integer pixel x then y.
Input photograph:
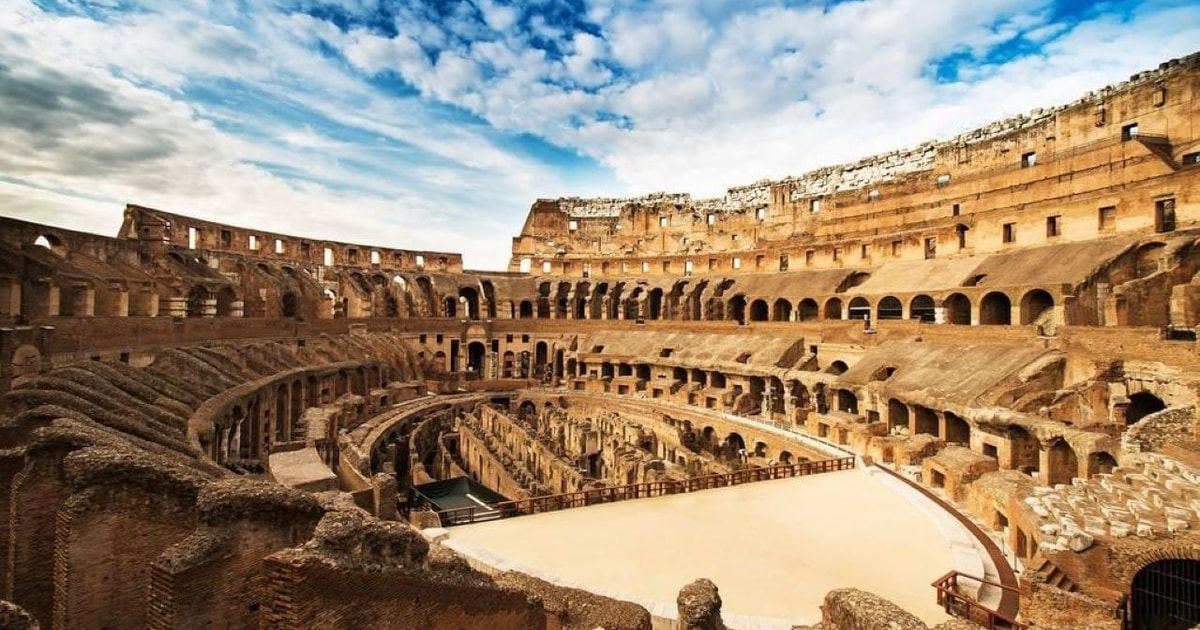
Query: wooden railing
{"type": "Point", "coordinates": [966, 607]}
{"type": "Point", "coordinates": [596, 496]}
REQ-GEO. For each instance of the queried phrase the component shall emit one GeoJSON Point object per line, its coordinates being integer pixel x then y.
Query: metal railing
{"type": "Point", "coordinates": [596, 496]}
{"type": "Point", "coordinates": [966, 607]}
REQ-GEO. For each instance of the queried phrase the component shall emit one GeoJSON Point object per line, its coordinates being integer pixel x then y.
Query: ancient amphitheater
{"type": "Point", "coordinates": [952, 386]}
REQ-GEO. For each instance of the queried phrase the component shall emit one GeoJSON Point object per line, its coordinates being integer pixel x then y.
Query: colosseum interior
{"type": "Point", "coordinates": [974, 359]}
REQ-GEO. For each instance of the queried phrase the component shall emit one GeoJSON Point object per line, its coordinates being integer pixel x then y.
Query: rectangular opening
{"type": "Point", "coordinates": [193, 237]}
{"type": "Point", "coordinates": [712, 218]}
{"type": "Point", "coordinates": [809, 255]}
{"type": "Point", "coordinates": [897, 248]}
{"type": "Point", "coordinates": [279, 247]}
{"type": "Point", "coordinates": [990, 450]}
{"type": "Point", "coordinates": [666, 266]}
{"type": "Point", "coordinates": [1129, 132]}
{"type": "Point", "coordinates": [783, 262]}
{"type": "Point", "coordinates": [1028, 159]}
{"type": "Point", "coordinates": [645, 267]}
{"type": "Point", "coordinates": [814, 205]}
{"type": "Point", "coordinates": [955, 210]}
{"type": "Point", "coordinates": [1108, 219]}
{"type": "Point", "coordinates": [758, 261]}
{"type": "Point", "coordinates": [1053, 226]}
{"type": "Point", "coordinates": [420, 261]}
{"type": "Point", "coordinates": [572, 225]}
{"type": "Point", "coordinates": [566, 268]}
{"type": "Point", "coordinates": [943, 180]}
{"type": "Point", "coordinates": [305, 248]}
{"type": "Point", "coordinates": [253, 243]}
{"type": "Point", "coordinates": [547, 266]}
{"type": "Point", "coordinates": [712, 264]}
{"type": "Point", "coordinates": [664, 221]}
{"type": "Point", "coordinates": [666, 352]}
{"type": "Point", "coordinates": [226, 238]}
{"type": "Point", "coordinates": [376, 257]}
{"type": "Point", "coordinates": [865, 251]}
{"type": "Point", "coordinates": [352, 255]}
{"type": "Point", "coordinates": [328, 259]}
{"type": "Point", "coordinates": [930, 247]}
{"type": "Point", "coordinates": [837, 253]}
{"type": "Point", "coordinates": [737, 262]}
{"type": "Point", "coordinates": [873, 195]}
{"type": "Point", "coordinates": [1010, 232]}
{"type": "Point", "coordinates": [687, 267]}
{"type": "Point", "coordinates": [1164, 215]}
{"type": "Point", "coordinates": [760, 214]}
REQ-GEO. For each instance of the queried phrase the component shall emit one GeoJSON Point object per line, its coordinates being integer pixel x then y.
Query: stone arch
{"type": "Point", "coordinates": [52, 243]}
{"type": "Point", "coordinates": [759, 311]}
{"type": "Point", "coordinates": [1036, 306]}
{"type": "Point", "coordinates": [289, 304]}
{"type": "Point", "coordinates": [837, 367]}
{"type": "Point", "coordinates": [1024, 450]}
{"type": "Point", "coordinates": [737, 308]}
{"type": "Point", "coordinates": [195, 301]}
{"type": "Point", "coordinates": [897, 415]}
{"type": "Point", "coordinates": [921, 308]}
{"type": "Point", "coordinates": [1165, 595]}
{"type": "Point", "coordinates": [654, 304]}
{"type": "Point", "coordinates": [925, 421]}
{"type": "Point", "coordinates": [468, 299]}
{"type": "Point", "coordinates": [1062, 462]}
{"type": "Point", "coordinates": [958, 309]}
{"type": "Point", "coordinates": [889, 307]}
{"type": "Point", "coordinates": [808, 310]}
{"type": "Point", "coordinates": [225, 299]}
{"type": "Point", "coordinates": [859, 308]}
{"type": "Point", "coordinates": [847, 401]}
{"type": "Point", "coordinates": [833, 308]}
{"type": "Point", "coordinates": [1100, 463]}
{"type": "Point", "coordinates": [781, 310]}
{"type": "Point", "coordinates": [1142, 404]}
{"type": "Point", "coordinates": [958, 430]}
{"type": "Point", "coordinates": [525, 310]}
{"type": "Point", "coordinates": [476, 355]}
{"type": "Point", "coordinates": [995, 309]}
{"type": "Point", "coordinates": [451, 307]}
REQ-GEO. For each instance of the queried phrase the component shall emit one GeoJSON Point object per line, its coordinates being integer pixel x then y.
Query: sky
{"type": "Point", "coordinates": [436, 124]}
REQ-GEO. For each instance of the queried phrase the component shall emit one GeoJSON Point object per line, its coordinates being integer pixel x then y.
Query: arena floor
{"type": "Point", "coordinates": [773, 548]}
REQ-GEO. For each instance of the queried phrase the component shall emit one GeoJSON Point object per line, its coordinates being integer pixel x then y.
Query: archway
{"type": "Point", "coordinates": [847, 401]}
{"type": "Point", "coordinates": [958, 309]}
{"type": "Point", "coordinates": [921, 309]}
{"type": "Point", "coordinates": [225, 300]}
{"type": "Point", "coordinates": [808, 310]}
{"type": "Point", "coordinates": [1166, 596]}
{"type": "Point", "coordinates": [195, 301]}
{"type": "Point", "coordinates": [781, 311]}
{"type": "Point", "coordinates": [1100, 463]}
{"type": "Point", "coordinates": [957, 430]}
{"type": "Point", "coordinates": [859, 309]}
{"type": "Point", "coordinates": [737, 309]}
{"type": "Point", "coordinates": [1035, 306]}
{"type": "Point", "coordinates": [469, 298]}
{"type": "Point", "coordinates": [476, 352]}
{"type": "Point", "coordinates": [833, 308]}
{"type": "Point", "coordinates": [995, 310]}
{"type": "Point", "coordinates": [1062, 461]}
{"type": "Point", "coordinates": [1024, 450]}
{"type": "Point", "coordinates": [1141, 405]}
{"type": "Point", "coordinates": [289, 305]}
{"type": "Point", "coordinates": [897, 415]}
{"type": "Point", "coordinates": [525, 311]}
{"type": "Point", "coordinates": [451, 307]}
{"type": "Point", "coordinates": [758, 311]}
{"type": "Point", "coordinates": [654, 301]}
{"type": "Point", "coordinates": [926, 421]}
{"type": "Point", "coordinates": [837, 367]}
{"type": "Point", "coordinates": [890, 308]}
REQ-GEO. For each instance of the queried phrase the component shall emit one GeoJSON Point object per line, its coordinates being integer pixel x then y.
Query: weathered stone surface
{"type": "Point", "coordinates": [854, 609]}
{"type": "Point", "coordinates": [700, 606]}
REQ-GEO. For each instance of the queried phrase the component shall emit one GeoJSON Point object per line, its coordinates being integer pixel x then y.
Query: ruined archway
{"type": "Point", "coordinates": [737, 309]}
{"type": "Point", "coordinates": [1166, 596]}
{"type": "Point", "coordinates": [958, 309]}
{"type": "Point", "coordinates": [921, 308]}
{"type": "Point", "coordinates": [1037, 306]}
{"type": "Point", "coordinates": [995, 310]}
{"type": "Point", "coordinates": [781, 311]}
{"type": "Point", "coordinates": [759, 312]}
{"type": "Point", "coordinates": [807, 310]}
{"type": "Point", "coordinates": [1141, 405]}
{"type": "Point", "coordinates": [859, 309]}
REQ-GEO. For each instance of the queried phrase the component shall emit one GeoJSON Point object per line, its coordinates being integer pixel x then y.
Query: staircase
{"type": "Point", "coordinates": [1053, 575]}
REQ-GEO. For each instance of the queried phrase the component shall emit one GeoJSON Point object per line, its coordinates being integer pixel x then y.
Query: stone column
{"type": "Point", "coordinates": [121, 305]}
{"type": "Point", "coordinates": [237, 308]}
{"type": "Point", "coordinates": [208, 307]}
{"type": "Point", "coordinates": [175, 306]}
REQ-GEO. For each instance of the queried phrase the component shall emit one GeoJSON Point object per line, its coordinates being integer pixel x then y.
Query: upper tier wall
{"type": "Point", "coordinates": [148, 225]}
{"type": "Point", "coordinates": [1131, 133]}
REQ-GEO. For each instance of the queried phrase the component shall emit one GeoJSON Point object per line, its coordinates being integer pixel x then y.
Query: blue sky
{"type": "Point", "coordinates": [436, 124]}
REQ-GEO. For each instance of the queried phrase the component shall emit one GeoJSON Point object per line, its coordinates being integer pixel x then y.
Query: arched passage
{"type": "Point", "coordinates": [860, 308]}
{"type": "Point", "coordinates": [1062, 462]}
{"type": "Point", "coordinates": [476, 352]}
{"type": "Point", "coordinates": [654, 301]}
{"type": "Point", "coordinates": [225, 300]}
{"type": "Point", "coordinates": [781, 311]}
{"type": "Point", "coordinates": [195, 301]}
{"type": "Point", "coordinates": [1024, 450]}
{"type": "Point", "coordinates": [897, 415]}
{"type": "Point", "coordinates": [807, 310]}
{"type": "Point", "coordinates": [289, 304]}
{"type": "Point", "coordinates": [468, 297]}
{"type": "Point", "coordinates": [1100, 463]}
{"type": "Point", "coordinates": [833, 308]}
{"type": "Point", "coordinates": [957, 430]}
{"type": "Point", "coordinates": [1166, 596]}
{"type": "Point", "coordinates": [737, 309]}
{"type": "Point", "coordinates": [890, 308]}
{"type": "Point", "coordinates": [1141, 405]}
{"type": "Point", "coordinates": [1036, 307]}
{"type": "Point", "coordinates": [958, 309]}
{"type": "Point", "coordinates": [758, 311]}
{"type": "Point", "coordinates": [995, 310]}
{"type": "Point", "coordinates": [525, 310]}
{"type": "Point", "coordinates": [921, 309]}
{"type": "Point", "coordinates": [837, 367]}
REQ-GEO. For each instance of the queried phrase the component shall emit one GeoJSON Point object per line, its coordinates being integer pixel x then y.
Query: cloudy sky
{"type": "Point", "coordinates": [435, 124]}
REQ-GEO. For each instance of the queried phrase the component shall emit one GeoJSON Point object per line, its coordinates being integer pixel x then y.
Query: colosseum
{"type": "Point", "coordinates": [953, 386]}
